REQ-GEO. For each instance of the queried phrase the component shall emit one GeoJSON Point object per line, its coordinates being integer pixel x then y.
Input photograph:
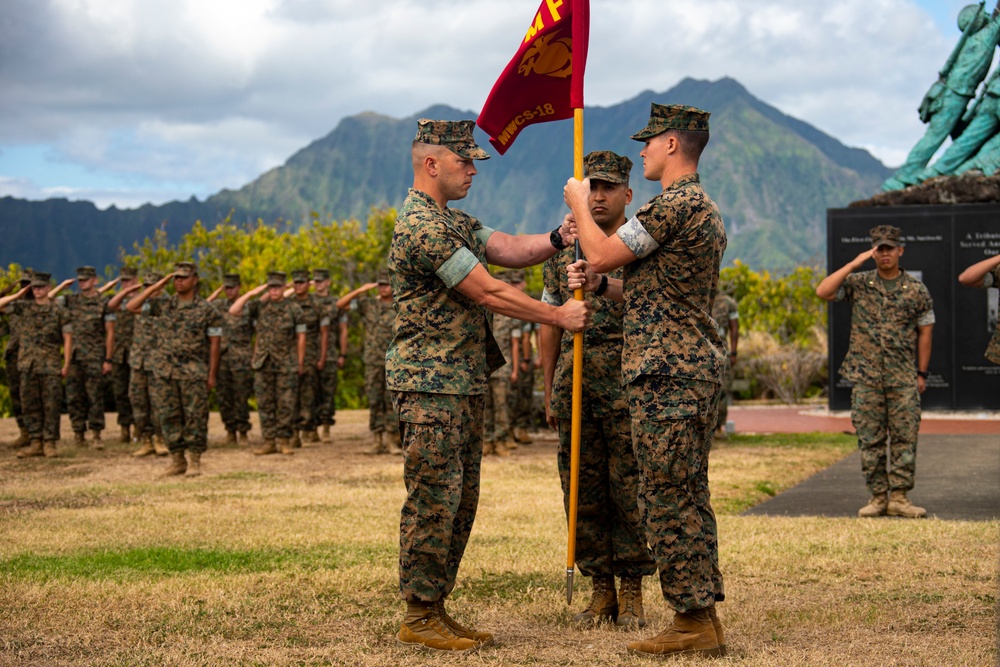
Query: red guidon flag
{"type": "Point", "coordinates": [544, 79]}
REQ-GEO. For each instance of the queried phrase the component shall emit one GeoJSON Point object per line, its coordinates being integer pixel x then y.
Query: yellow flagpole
{"type": "Point", "coordinates": [574, 459]}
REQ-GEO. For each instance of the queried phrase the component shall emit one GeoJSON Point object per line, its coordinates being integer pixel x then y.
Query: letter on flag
{"type": "Point", "coordinates": [544, 79]}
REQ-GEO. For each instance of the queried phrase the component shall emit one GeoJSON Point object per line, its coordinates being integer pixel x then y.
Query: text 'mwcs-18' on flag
{"type": "Point", "coordinates": [544, 79]}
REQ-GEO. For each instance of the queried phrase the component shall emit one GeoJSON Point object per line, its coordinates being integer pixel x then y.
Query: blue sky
{"type": "Point", "coordinates": [131, 101]}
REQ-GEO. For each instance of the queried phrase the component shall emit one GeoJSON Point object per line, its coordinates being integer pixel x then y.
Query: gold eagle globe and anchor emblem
{"type": "Point", "coordinates": [548, 56]}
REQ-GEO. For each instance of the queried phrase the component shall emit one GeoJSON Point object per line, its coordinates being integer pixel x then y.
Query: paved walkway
{"type": "Point", "coordinates": [806, 419]}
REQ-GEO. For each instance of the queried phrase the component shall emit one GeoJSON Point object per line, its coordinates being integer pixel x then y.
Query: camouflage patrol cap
{"type": "Point", "coordinates": [185, 269]}
{"type": "Point", "coordinates": [455, 135]}
{"type": "Point", "coordinates": [300, 276]}
{"type": "Point", "coordinates": [607, 166]}
{"type": "Point", "coordinates": [26, 275]}
{"type": "Point", "coordinates": [231, 280]}
{"type": "Point", "coordinates": [85, 272]}
{"type": "Point", "coordinates": [128, 273]}
{"type": "Point", "coordinates": [663, 117]}
{"type": "Point", "coordinates": [40, 278]}
{"type": "Point", "coordinates": [276, 279]}
{"type": "Point", "coordinates": [886, 235]}
{"type": "Point", "coordinates": [382, 278]}
{"type": "Point", "coordinates": [151, 279]}
{"type": "Point", "coordinates": [320, 275]}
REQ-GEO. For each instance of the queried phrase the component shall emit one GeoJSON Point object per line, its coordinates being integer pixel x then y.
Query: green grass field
{"type": "Point", "coordinates": [293, 561]}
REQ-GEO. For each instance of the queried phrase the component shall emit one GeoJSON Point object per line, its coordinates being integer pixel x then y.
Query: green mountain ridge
{"type": "Point", "coordinates": [772, 176]}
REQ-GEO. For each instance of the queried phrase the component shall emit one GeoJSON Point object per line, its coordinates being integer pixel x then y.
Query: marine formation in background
{"type": "Point", "coordinates": [952, 108]}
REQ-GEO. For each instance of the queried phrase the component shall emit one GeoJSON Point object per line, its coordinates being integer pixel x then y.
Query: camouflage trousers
{"type": "Point", "coordinates": [326, 396]}
{"type": "Point", "coordinates": [14, 385]}
{"type": "Point", "coordinates": [277, 395]}
{"type": "Point", "coordinates": [726, 396]}
{"type": "Point", "coordinates": [673, 423]}
{"type": "Point", "coordinates": [182, 410]}
{"type": "Point", "coordinates": [85, 396]}
{"type": "Point", "coordinates": [42, 396]}
{"type": "Point", "coordinates": [497, 411]}
{"type": "Point", "coordinates": [610, 538]}
{"type": "Point", "coordinates": [522, 398]}
{"type": "Point", "coordinates": [886, 419]}
{"type": "Point", "coordinates": [120, 376]}
{"type": "Point", "coordinates": [233, 390]}
{"type": "Point", "coordinates": [305, 412]}
{"type": "Point", "coordinates": [141, 399]}
{"type": "Point", "coordinates": [381, 413]}
{"type": "Point", "coordinates": [442, 436]}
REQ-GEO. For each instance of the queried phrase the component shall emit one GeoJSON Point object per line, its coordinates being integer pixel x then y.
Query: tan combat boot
{"type": "Point", "coordinates": [875, 507]}
{"type": "Point", "coordinates": [243, 438]}
{"type": "Point", "coordinates": [630, 612]}
{"type": "Point", "coordinates": [325, 437]}
{"type": "Point", "coordinates": [95, 440]}
{"type": "Point", "coordinates": [378, 445]}
{"type": "Point", "coordinates": [394, 443]}
{"type": "Point", "coordinates": [521, 436]}
{"type": "Point", "coordinates": [160, 445]}
{"type": "Point", "coordinates": [285, 447]}
{"type": "Point", "coordinates": [178, 464]}
{"type": "Point", "coordinates": [126, 435]}
{"type": "Point", "coordinates": [900, 505]}
{"type": "Point", "coordinates": [194, 464]}
{"type": "Point", "coordinates": [481, 638]}
{"type": "Point", "coordinates": [488, 447]}
{"type": "Point", "coordinates": [79, 438]}
{"type": "Point", "coordinates": [504, 447]}
{"type": "Point", "coordinates": [34, 448]}
{"type": "Point", "coordinates": [603, 603]}
{"type": "Point", "coordinates": [23, 439]}
{"type": "Point", "coordinates": [423, 627]}
{"type": "Point", "coordinates": [49, 449]}
{"type": "Point", "coordinates": [230, 438]}
{"type": "Point", "coordinates": [719, 633]}
{"type": "Point", "coordinates": [314, 435]}
{"type": "Point", "coordinates": [146, 448]}
{"type": "Point", "coordinates": [690, 633]}
{"type": "Point", "coordinates": [267, 448]}
{"type": "Point", "coordinates": [296, 441]}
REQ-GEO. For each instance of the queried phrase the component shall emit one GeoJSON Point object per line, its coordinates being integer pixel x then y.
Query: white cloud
{"type": "Point", "coordinates": [215, 92]}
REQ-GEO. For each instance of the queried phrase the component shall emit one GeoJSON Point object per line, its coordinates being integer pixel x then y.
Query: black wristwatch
{"type": "Point", "coordinates": [603, 286]}
{"type": "Point", "coordinates": [922, 374]}
{"type": "Point", "coordinates": [555, 238]}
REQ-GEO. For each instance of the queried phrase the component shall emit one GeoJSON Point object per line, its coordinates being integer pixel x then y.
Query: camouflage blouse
{"type": "Point", "coordinates": [88, 313]}
{"type": "Point", "coordinates": [378, 319]}
{"type": "Point", "coordinates": [277, 324]}
{"type": "Point", "coordinates": [185, 328]}
{"type": "Point", "coordinates": [124, 333]}
{"type": "Point", "coordinates": [41, 352]}
{"type": "Point", "coordinates": [314, 316]}
{"type": "Point", "coordinates": [237, 336]}
{"type": "Point", "coordinates": [992, 279]}
{"type": "Point", "coordinates": [443, 343]}
{"type": "Point", "coordinates": [679, 238]}
{"type": "Point", "coordinates": [146, 335]}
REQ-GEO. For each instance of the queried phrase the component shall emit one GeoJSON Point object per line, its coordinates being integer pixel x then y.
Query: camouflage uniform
{"type": "Point", "coordinates": [523, 391]}
{"type": "Point", "coordinates": [40, 362]}
{"type": "Point", "coordinates": [10, 365]}
{"type": "Point", "coordinates": [142, 359]}
{"type": "Point", "coordinates": [724, 311]}
{"type": "Point", "coordinates": [378, 319]}
{"type": "Point", "coordinates": [85, 381]}
{"type": "Point", "coordinates": [326, 395]}
{"type": "Point", "coordinates": [672, 364]}
{"type": "Point", "coordinates": [120, 368]}
{"type": "Point", "coordinates": [437, 367]}
{"type": "Point", "coordinates": [180, 371]}
{"type": "Point", "coordinates": [497, 427]}
{"type": "Point", "coordinates": [235, 384]}
{"type": "Point", "coordinates": [610, 539]}
{"type": "Point", "coordinates": [315, 318]}
{"type": "Point", "coordinates": [881, 364]}
{"type": "Point", "coordinates": [992, 279]}
{"type": "Point", "coordinates": [275, 364]}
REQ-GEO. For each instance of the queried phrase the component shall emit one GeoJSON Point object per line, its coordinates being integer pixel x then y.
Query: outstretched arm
{"type": "Point", "coordinates": [975, 274]}
{"type": "Point", "coordinates": [237, 308]}
{"type": "Point", "coordinates": [827, 288]}
{"type": "Point", "coordinates": [345, 301]}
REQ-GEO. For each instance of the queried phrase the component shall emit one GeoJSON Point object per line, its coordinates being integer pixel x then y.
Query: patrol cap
{"type": "Point", "coordinates": [321, 274]}
{"type": "Point", "coordinates": [231, 280]}
{"type": "Point", "coordinates": [26, 275]}
{"type": "Point", "coordinates": [455, 135]}
{"type": "Point", "coordinates": [607, 166]}
{"type": "Point", "coordinates": [151, 279]}
{"type": "Point", "coordinates": [40, 278]}
{"type": "Point", "coordinates": [185, 269]}
{"type": "Point", "coordinates": [85, 272]}
{"type": "Point", "coordinates": [886, 235]}
{"type": "Point", "coordinates": [663, 117]}
{"type": "Point", "coordinates": [382, 278]}
{"type": "Point", "coordinates": [300, 276]}
{"type": "Point", "coordinates": [276, 279]}
{"type": "Point", "coordinates": [128, 272]}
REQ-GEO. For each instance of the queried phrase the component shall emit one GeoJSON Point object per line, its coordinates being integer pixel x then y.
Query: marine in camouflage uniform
{"type": "Point", "coordinates": [235, 372]}
{"type": "Point", "coordinates": [317, 322]}
{"type": "Point", "coordinates": [496, 424]}
{"type": "Point", "coordinates": [141, 360]}
{"type": "Point", "coordinates": [986, 274]}
{"type": "Point", "coordinates": [121, 371]}
{"type": "Point", "coordinates": [185, 368]}
{"type": "Point", "coordinates": [93, 329]}
{"type": "Point", "coordinates": [278, 360]}
{"type": "Point", "coordinates": [672, 366]}
{"type": "Point", "coordinates": [892, 319]}
{"type": "Point", "coordinates": [43, 360]}
{"type": "Point", "coordinates": [726, 313]}
{"type": "Point", "coordinates": [522, 398]}
{"type": "Point", "coordinates": [378, 316]}
{"type": "Point", "coordinates": [437, 367]}
{"type": "Point", "coordinates": [326, 395]}
{"type": "Point", "coordinates": [610, 537]}
{"type": "Point", "coordinates": [13, 375]}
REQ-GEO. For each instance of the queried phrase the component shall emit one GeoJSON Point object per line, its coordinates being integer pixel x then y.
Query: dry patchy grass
{"type": "Point", "coordinates": [293, 561]}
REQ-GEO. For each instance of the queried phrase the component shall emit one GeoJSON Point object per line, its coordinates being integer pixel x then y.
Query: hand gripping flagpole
{"type": "Point", "coordinates": [574, 457]}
